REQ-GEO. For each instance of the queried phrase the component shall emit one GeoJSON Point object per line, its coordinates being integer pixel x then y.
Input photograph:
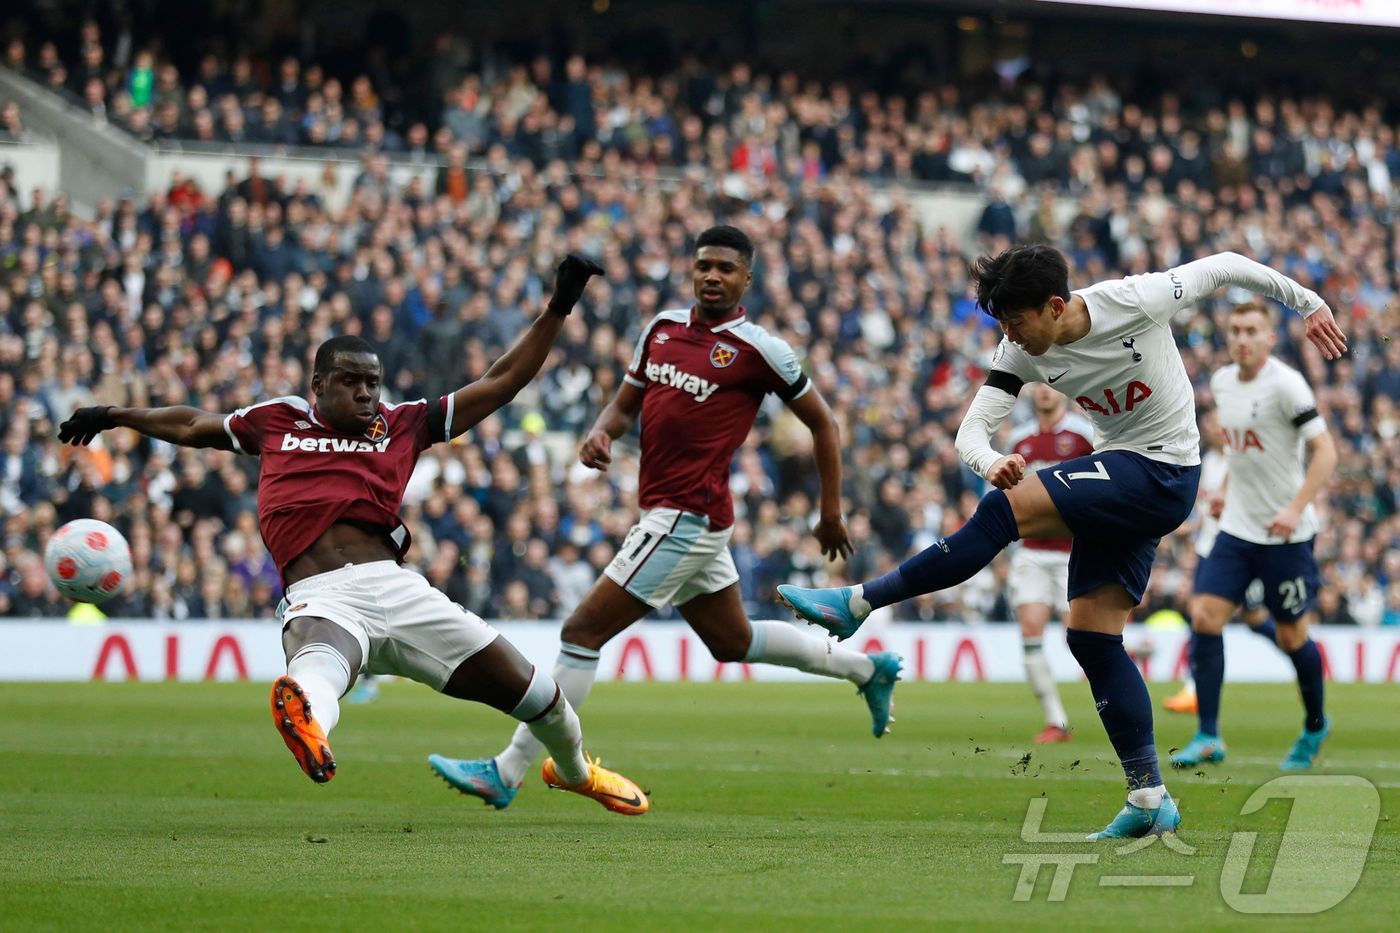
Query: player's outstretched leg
{"type": "Point", "coordinates": [774, 641]}
{"type": "Point", "coordinates": [841, 610]}
{"type": "Point", "coordinates": [316, 671]}
{"type": "Point", "coordinates": [723, 625]}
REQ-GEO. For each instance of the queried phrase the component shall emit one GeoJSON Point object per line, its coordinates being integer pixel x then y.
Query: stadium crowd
{"type": "Point", "coordinates": [218, 298]}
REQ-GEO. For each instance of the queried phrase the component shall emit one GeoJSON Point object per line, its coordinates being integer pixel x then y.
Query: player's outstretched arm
{"type": "Point", "coordinates": [831, 531]}
{"type": "Point", "coordinates": [1187, 284]}
{"type": "Point", "coordinates": [988, 409]}
{"type": "Point", "coordinates": [509, 374]}
{"type": "Point", "coordinates": [177, 424]}
{"type": "Point", "coordinates": [615, 420]}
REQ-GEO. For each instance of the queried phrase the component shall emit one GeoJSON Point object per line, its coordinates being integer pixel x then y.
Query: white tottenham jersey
{"type": "Point", "coordinates": [1266, 422]}
{"type": "Point", "coordinates": [1126, 373]}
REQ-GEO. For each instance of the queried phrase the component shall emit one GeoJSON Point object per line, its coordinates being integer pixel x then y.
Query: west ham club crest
{"type": "Point", "coordinates": [378, 428]}
{"type": "Point", "coordinates": [722, 354]}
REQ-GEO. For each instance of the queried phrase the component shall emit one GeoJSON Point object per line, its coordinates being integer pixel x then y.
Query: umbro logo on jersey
{"type": "Point", "coordinates": [328, 445]}
{"type": "Point", "coordinates": [1052, 379]}
{"type": "Point", "coordinates": [722, 354]}
{"type": "Point", "coordinates": [662, 337]}
{"type": "Point", "coordinates": [668, 375]}
{"type": "Point", "coordinates": [302, 425]}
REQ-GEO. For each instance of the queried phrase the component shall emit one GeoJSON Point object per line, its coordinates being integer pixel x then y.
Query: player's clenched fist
{"type": "Point", "coordinates": [596, 451]}
{"type": "Point", "coordinates": [1007, 472]}
{"type": "Point", "coordinates": [85, 424]}
{"type": "Point", "coordinates": [569, 281]}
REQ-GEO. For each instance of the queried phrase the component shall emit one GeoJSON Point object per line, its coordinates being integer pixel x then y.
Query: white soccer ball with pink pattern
{"type": "Point", "coordinates": [88, 561]}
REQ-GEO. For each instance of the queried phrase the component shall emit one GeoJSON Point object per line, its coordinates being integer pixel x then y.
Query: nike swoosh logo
{"type": "Point", "coordinates": [1052, 379]}
{"type": "Point", "coordinates": [633, 801]}
{"type": "Point", "coordinates": [1059, 474]}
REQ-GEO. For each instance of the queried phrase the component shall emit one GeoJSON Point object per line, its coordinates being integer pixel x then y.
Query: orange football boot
{"type": "Point", "coordinates": [1181, 702]}
{"type": "Point", "coordinates": [1052, 734]}
{"type": "Point", "coordinates": [609, 788]}
{"type": "Point", "coordinates": [291, 712]}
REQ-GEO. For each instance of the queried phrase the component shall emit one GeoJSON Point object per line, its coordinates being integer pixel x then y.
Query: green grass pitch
{"type": "Point", "coordinates": [170, 806]}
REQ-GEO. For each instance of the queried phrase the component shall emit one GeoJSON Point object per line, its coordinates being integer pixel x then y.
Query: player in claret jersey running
{"type": "Point", "coordinates": [697, 378]}
{"type": "Point", "coordinates": [1110, 348]}
{"type": "Point", "coordinates": [332, 479]}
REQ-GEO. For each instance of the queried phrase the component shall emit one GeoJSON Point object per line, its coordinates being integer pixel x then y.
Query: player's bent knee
{"type": "Point", "coordinates": [1209, 614]}
{"type": "Point", "coordinates": [1293, 636]}
{"type": "Point", "coordinates": [585, 631]}
{"type": "Point", "coordinates": [314, 630]}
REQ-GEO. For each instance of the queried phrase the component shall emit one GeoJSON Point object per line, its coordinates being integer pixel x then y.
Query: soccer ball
{"type": "Point", "coordinates": [88, 561]}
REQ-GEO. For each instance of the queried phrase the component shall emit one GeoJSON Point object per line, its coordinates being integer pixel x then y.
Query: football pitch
{"type": "Point", "coordinates": [175, 806]}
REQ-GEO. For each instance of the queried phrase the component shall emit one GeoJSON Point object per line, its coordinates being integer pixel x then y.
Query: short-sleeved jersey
{"type": "Point", "coordinates": [1127, 373]}
{"type": "Point", "coordinates": [1266, 422]}
{"type": "Point", "coordinates": [703, 385]}
{"type": "Point", "coordinates": [1071, 436]}
{"type": "Point", "coordinates": [313, 476]}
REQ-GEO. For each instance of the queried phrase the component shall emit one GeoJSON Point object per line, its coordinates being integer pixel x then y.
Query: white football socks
{"type": "Point", "coordinates": [1042, 683]}
{"type": "Point", "coordinates": [1149, 798]}
{"type": "Point", "coordinates": [859, 605]}
{"type": "Point", "coordinates": [574, 672]}
{"type": "Point", "coordinates": [323, 675]}
{"type": "Point", "coordinates": [777, 642]}
{"type": "Point", "coordinates": [546, 712]}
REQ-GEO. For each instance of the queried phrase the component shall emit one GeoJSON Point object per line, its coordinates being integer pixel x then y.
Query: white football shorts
{"type": "Point", "coordinates": [404, 625]}
{"type": "Point", "coordinates": [1040, 577]}
{"type": "Point", "coordinates": [671, 557]}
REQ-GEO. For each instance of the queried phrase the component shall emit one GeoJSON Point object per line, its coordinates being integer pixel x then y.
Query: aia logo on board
{"type": "Point", "coordinates": [378, 428]}
{"type": "Point", "coordinates": [722, 354]}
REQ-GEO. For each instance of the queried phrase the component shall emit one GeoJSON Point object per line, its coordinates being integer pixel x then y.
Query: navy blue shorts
{"type": "Point", "coordinates": [1119, 505]}
{"type": "Point", "coordinates": [1288, 572]}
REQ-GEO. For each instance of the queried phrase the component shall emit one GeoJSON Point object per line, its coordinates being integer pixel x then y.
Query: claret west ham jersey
{"type": "Point", "coordinates": [313, 476]}
{"type": "Point", "coordinates": [1070, 437]}
{"type": "Point", "coordinates": [703, 384]}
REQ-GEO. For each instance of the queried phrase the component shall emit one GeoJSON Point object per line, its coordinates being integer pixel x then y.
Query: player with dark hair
{"type": "Point", "coordinates": [332, 480]}
{"type": "Point", "coordinates": [1268, 416]}
{"type": "Point", "coordinates": [1110, 348]}
{"type": "Point", "coordinates": [697, 378]}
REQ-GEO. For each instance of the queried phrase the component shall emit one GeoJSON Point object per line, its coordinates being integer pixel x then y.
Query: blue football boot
{"type": "Point", "coordinates": [879, 690]}
{"type": "Point", "coordinates": [1304, 751]}
{"type": "Point", "coordinates": [1134, 822]}
{"type": "Point", "coordinates": [476, 777]}
{"type": "Point", "coordinates": [829, 608]}
{"type": "Point", "coordinates": [1203, 748]}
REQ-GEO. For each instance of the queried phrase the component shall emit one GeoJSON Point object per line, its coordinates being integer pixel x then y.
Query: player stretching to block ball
{"type": "Point", "coordinates": [1040, 566]}
{"type": "Point", "coordinates": [697, 378]}
{"type": "Point", "coordinates": [332, 480]}
{"type": "Point", "coordinates": [1110, 347]}
{"type": "Point", "coordinates": [1268, 415]}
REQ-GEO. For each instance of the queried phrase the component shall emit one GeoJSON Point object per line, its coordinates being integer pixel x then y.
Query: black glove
{"type": "Point", "coordinates": [573, 274]}
{"type": "Point", "coordinates": [85, 424]}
